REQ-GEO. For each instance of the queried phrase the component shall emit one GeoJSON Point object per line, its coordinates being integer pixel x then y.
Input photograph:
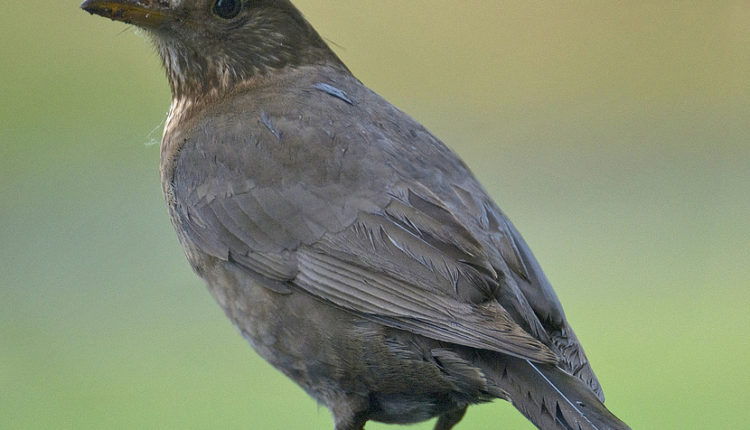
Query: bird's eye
{"type": "Point", "coordinates": [227, 9]}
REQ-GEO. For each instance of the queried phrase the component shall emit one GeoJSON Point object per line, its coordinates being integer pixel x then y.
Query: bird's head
{"type": "Point", "coordinates": [211, 46]}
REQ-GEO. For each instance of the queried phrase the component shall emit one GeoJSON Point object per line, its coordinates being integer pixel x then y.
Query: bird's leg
{"type": "Point", "coordinates": [355, 422]}
{"type": "Point", "coordinates": [449, 419]}
{"type": "Point", "coordinates": [350, 414]}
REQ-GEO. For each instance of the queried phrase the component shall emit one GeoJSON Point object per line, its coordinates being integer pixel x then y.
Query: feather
{"type": "Point", "coordinates": [548, 396]}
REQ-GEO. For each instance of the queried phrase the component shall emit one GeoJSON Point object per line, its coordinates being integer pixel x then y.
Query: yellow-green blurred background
{"type": "Point", "coordinates": [616, 135]}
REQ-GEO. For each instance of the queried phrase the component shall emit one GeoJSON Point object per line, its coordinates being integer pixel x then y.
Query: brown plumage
{"type": "Point", "coordinates": [353, 250]}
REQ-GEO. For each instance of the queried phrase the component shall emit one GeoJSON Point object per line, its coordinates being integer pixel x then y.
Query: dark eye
{"type": "Point", "coordinates": [227, 9]}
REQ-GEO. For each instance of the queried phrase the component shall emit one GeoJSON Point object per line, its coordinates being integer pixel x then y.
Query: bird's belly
{"type": "Point", "coordinates": [296, 333]}
{"type": "Point", "coordinates": [331, 353]}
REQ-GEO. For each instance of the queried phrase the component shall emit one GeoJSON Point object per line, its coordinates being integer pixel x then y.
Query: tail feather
{"type": "Point", "coordinates": [549, 397]}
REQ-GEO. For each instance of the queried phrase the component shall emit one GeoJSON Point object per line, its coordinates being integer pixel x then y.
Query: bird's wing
{"type": "Point", "coordinates": [409, 264]}
{"type": "Point", "coordinates": [541, 297]}
{"type": "Point", "coordinates": [525, 291]}
{"type": "Point", "coordinates": [412, 265]}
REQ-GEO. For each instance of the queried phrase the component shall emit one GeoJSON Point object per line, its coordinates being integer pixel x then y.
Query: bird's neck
{"type": "Point", "coordinates": [199, 72]}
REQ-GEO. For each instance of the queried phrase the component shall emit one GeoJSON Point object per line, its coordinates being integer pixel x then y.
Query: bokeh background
{"type": "Point", "coordinates": [616, 135]}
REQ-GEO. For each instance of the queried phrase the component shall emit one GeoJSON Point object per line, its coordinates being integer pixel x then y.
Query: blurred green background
{"type": "Point", "coordinates": [616, 135]}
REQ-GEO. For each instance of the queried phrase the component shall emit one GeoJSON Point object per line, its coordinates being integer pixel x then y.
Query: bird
{"type": "Point", "coordinates": [353, 249]}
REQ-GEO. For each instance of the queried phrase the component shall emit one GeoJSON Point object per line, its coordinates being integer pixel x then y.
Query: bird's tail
{"type": "Point", "coordinates": [549, 397]}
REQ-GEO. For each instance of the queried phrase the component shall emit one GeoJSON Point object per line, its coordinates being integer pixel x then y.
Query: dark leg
{"type": "Point", "coordinates": [356, 422]}
{"type": "Point", "coordinates": [449, 419]}
{"type": "Point", "coordinates": [350, 413]}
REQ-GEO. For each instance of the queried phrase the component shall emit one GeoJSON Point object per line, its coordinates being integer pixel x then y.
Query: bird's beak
{"type": "Point", "coordinates": [143, 13]}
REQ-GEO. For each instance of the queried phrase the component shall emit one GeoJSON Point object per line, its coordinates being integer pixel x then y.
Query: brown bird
{"type": "Point", "coordinates": [352, 249]}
